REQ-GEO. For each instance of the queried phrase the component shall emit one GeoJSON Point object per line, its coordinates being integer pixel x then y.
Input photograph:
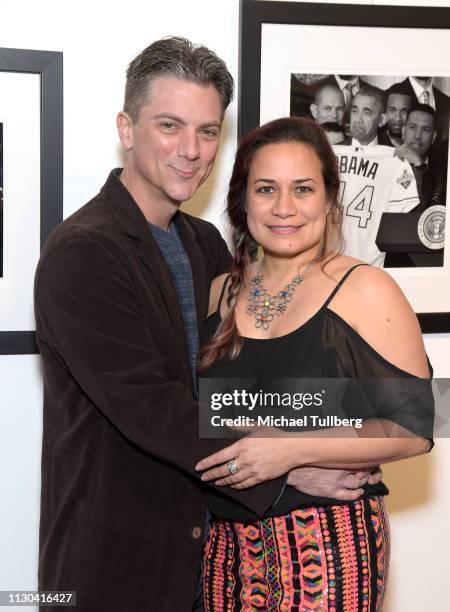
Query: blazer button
{"type": "Point", "coordinates": [196, 533]}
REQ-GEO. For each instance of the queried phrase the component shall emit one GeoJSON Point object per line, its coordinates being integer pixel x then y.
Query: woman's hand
{"type": "Point", "coordinates": [256, 459]}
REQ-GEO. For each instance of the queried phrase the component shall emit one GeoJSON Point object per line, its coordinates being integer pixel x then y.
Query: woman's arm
{"type": "Point", "coordinates": [263, 458]}
{"type": "Point", "coordinates": [373, 304]}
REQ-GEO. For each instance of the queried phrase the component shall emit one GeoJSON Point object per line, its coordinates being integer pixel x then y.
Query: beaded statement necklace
{"type": "Point", "coordinates": [265, 307]}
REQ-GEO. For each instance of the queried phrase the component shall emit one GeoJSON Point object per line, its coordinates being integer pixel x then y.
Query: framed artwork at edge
{"type": "Point", "coordinates": [31, 182]}
{"type": "Point", "coordinates": [287, 43]}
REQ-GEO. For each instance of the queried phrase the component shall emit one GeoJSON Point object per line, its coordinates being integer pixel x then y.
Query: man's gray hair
{"type": "Point", "coordinates": [179, 58]}
{"type": "Point", "coordinates": [373, 92]}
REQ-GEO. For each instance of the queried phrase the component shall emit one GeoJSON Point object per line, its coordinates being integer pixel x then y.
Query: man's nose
{"type": "Point", "coordinates": [188, 144]}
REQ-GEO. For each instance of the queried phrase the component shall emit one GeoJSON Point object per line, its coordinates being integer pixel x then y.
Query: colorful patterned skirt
{"type": "Point", "coordinates": [332, 559]}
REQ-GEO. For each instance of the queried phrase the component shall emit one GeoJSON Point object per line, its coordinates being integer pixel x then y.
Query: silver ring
{"type": "Point", "coordinates": [232, 467]}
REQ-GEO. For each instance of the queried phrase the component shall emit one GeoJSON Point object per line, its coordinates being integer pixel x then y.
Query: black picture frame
{"type": "Point", "coordinates": [255, 13]}
{"type": "Point", "coordinates": [49, 66]}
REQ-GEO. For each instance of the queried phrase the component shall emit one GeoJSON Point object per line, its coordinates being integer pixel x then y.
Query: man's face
{"type": "Point", "coordinates": [419, 132]}
{"type": "Point", "coordinates": [365, 118]}
{"type": "Point", "coordinates": [172, 146]}
{"type": "Point", "coordinates": [329, 106]}
{"type": "Point", "coordinates": [397, 109]}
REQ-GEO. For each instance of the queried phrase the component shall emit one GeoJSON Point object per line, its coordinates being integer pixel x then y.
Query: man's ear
{"type": "Point", "coordinates": [125, 130]}
{"type": "Point", "coordinates": [434, 137]}
{"type": "Point", "coordinates": [313, 109]}
{"type": "Point", "coordinates": [382, 120]}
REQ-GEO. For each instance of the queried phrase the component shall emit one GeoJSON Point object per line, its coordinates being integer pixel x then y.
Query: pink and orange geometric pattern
{"type": "Point", "coordinates": [332, 559]}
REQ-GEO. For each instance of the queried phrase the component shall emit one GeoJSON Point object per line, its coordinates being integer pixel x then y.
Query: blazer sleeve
{"type": "Point", "coordinates": [88, 316]}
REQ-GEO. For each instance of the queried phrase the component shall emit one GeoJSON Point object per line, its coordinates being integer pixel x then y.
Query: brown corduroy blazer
{"type": "Point", "coordinates": [122, 509]}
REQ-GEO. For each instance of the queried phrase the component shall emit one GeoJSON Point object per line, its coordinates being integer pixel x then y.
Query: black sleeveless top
{"type": "Point", "coordinates": [325, 346]}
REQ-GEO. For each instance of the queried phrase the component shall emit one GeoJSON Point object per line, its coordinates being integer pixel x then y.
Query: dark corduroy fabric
{"type": "Point", "coordinates": [120, 498]}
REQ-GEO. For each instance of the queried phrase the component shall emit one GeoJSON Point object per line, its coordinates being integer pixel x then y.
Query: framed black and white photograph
{"type": "Point", "coordinates": [377, 78]}
{"type": "Point", "coordinates": [31, 182]}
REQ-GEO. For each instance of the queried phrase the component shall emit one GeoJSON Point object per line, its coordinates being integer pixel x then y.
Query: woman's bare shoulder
{"type": "Point", "coordinates": [375, 306]}
{"type": "Point", "coordinates": [368, 283]}
{"type": "Point", "coordinates": [337, 265]}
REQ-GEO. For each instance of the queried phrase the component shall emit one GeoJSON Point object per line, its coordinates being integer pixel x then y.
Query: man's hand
{"type": "Point", "coordinates": [405, 152]}
{"type": "Point", "coordinates": [338, 484]}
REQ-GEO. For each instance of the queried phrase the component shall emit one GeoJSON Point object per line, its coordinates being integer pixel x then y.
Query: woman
{"type": "Point", "coordinates": [302, 310]}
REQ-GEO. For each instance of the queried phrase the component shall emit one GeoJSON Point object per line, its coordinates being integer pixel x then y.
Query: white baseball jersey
{"type": "Point", "coordinates": [373, 181]}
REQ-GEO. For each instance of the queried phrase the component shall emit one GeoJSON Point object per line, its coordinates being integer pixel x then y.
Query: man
{"type": "Point", "coordinates": [429, 159]}
{"type": "Point", "coordinates": [430, 167]}
{"type": "Point", "coordinates": [398, 105]}
{"type": "Point", "coordinates": [373, 181]}
{"type": "Point", "coordinates": [329, 105]}
{"type": "Point", "coordinates": [367, 116]}
{"type": "Point", "coordinates": [423, 91]}
{"type": "Point", "coordinates": [121, 289]}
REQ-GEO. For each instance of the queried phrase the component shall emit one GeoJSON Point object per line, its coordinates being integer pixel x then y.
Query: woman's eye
{"type": "Point", "coordinates": [303, 189]}
{"type": "Point", "coordinates": [266, 189]}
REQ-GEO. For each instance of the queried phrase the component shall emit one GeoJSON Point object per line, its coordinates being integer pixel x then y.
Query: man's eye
{"type": "Point", "coordinates": [168, 125]}
{"type": "Point", "coordinates": [211, 133]}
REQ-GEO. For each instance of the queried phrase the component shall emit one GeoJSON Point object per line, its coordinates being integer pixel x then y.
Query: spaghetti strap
{"type": "Point", "coordinates": [341, 282]}
{"type": "Point", "coordinates": [224, 286]}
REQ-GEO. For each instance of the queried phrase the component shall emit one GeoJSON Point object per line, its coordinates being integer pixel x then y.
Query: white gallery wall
{"type": "Point", "coordinates": [98, 40]}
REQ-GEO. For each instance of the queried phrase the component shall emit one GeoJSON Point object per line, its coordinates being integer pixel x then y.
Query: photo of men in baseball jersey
{"type": "Point", "coordinates": [390, 136]}
{"type": "Point", "coordinates": [373, 181]}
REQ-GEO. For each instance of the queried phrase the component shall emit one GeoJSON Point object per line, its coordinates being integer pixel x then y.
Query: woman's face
{"type": "Point", "coordinates": [286, 199]}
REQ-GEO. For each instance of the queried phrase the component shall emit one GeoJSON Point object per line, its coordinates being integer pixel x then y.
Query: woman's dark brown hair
{"type": "Point", "coordinates": [226, 342]}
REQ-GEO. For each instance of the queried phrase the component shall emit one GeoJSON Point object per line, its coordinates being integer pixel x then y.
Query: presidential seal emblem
{"type": "Point", "coordinates": [431, 227]}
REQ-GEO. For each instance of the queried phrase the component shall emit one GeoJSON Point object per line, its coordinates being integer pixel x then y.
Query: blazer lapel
{"type": "Point", "coordinates": [133, 223]}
